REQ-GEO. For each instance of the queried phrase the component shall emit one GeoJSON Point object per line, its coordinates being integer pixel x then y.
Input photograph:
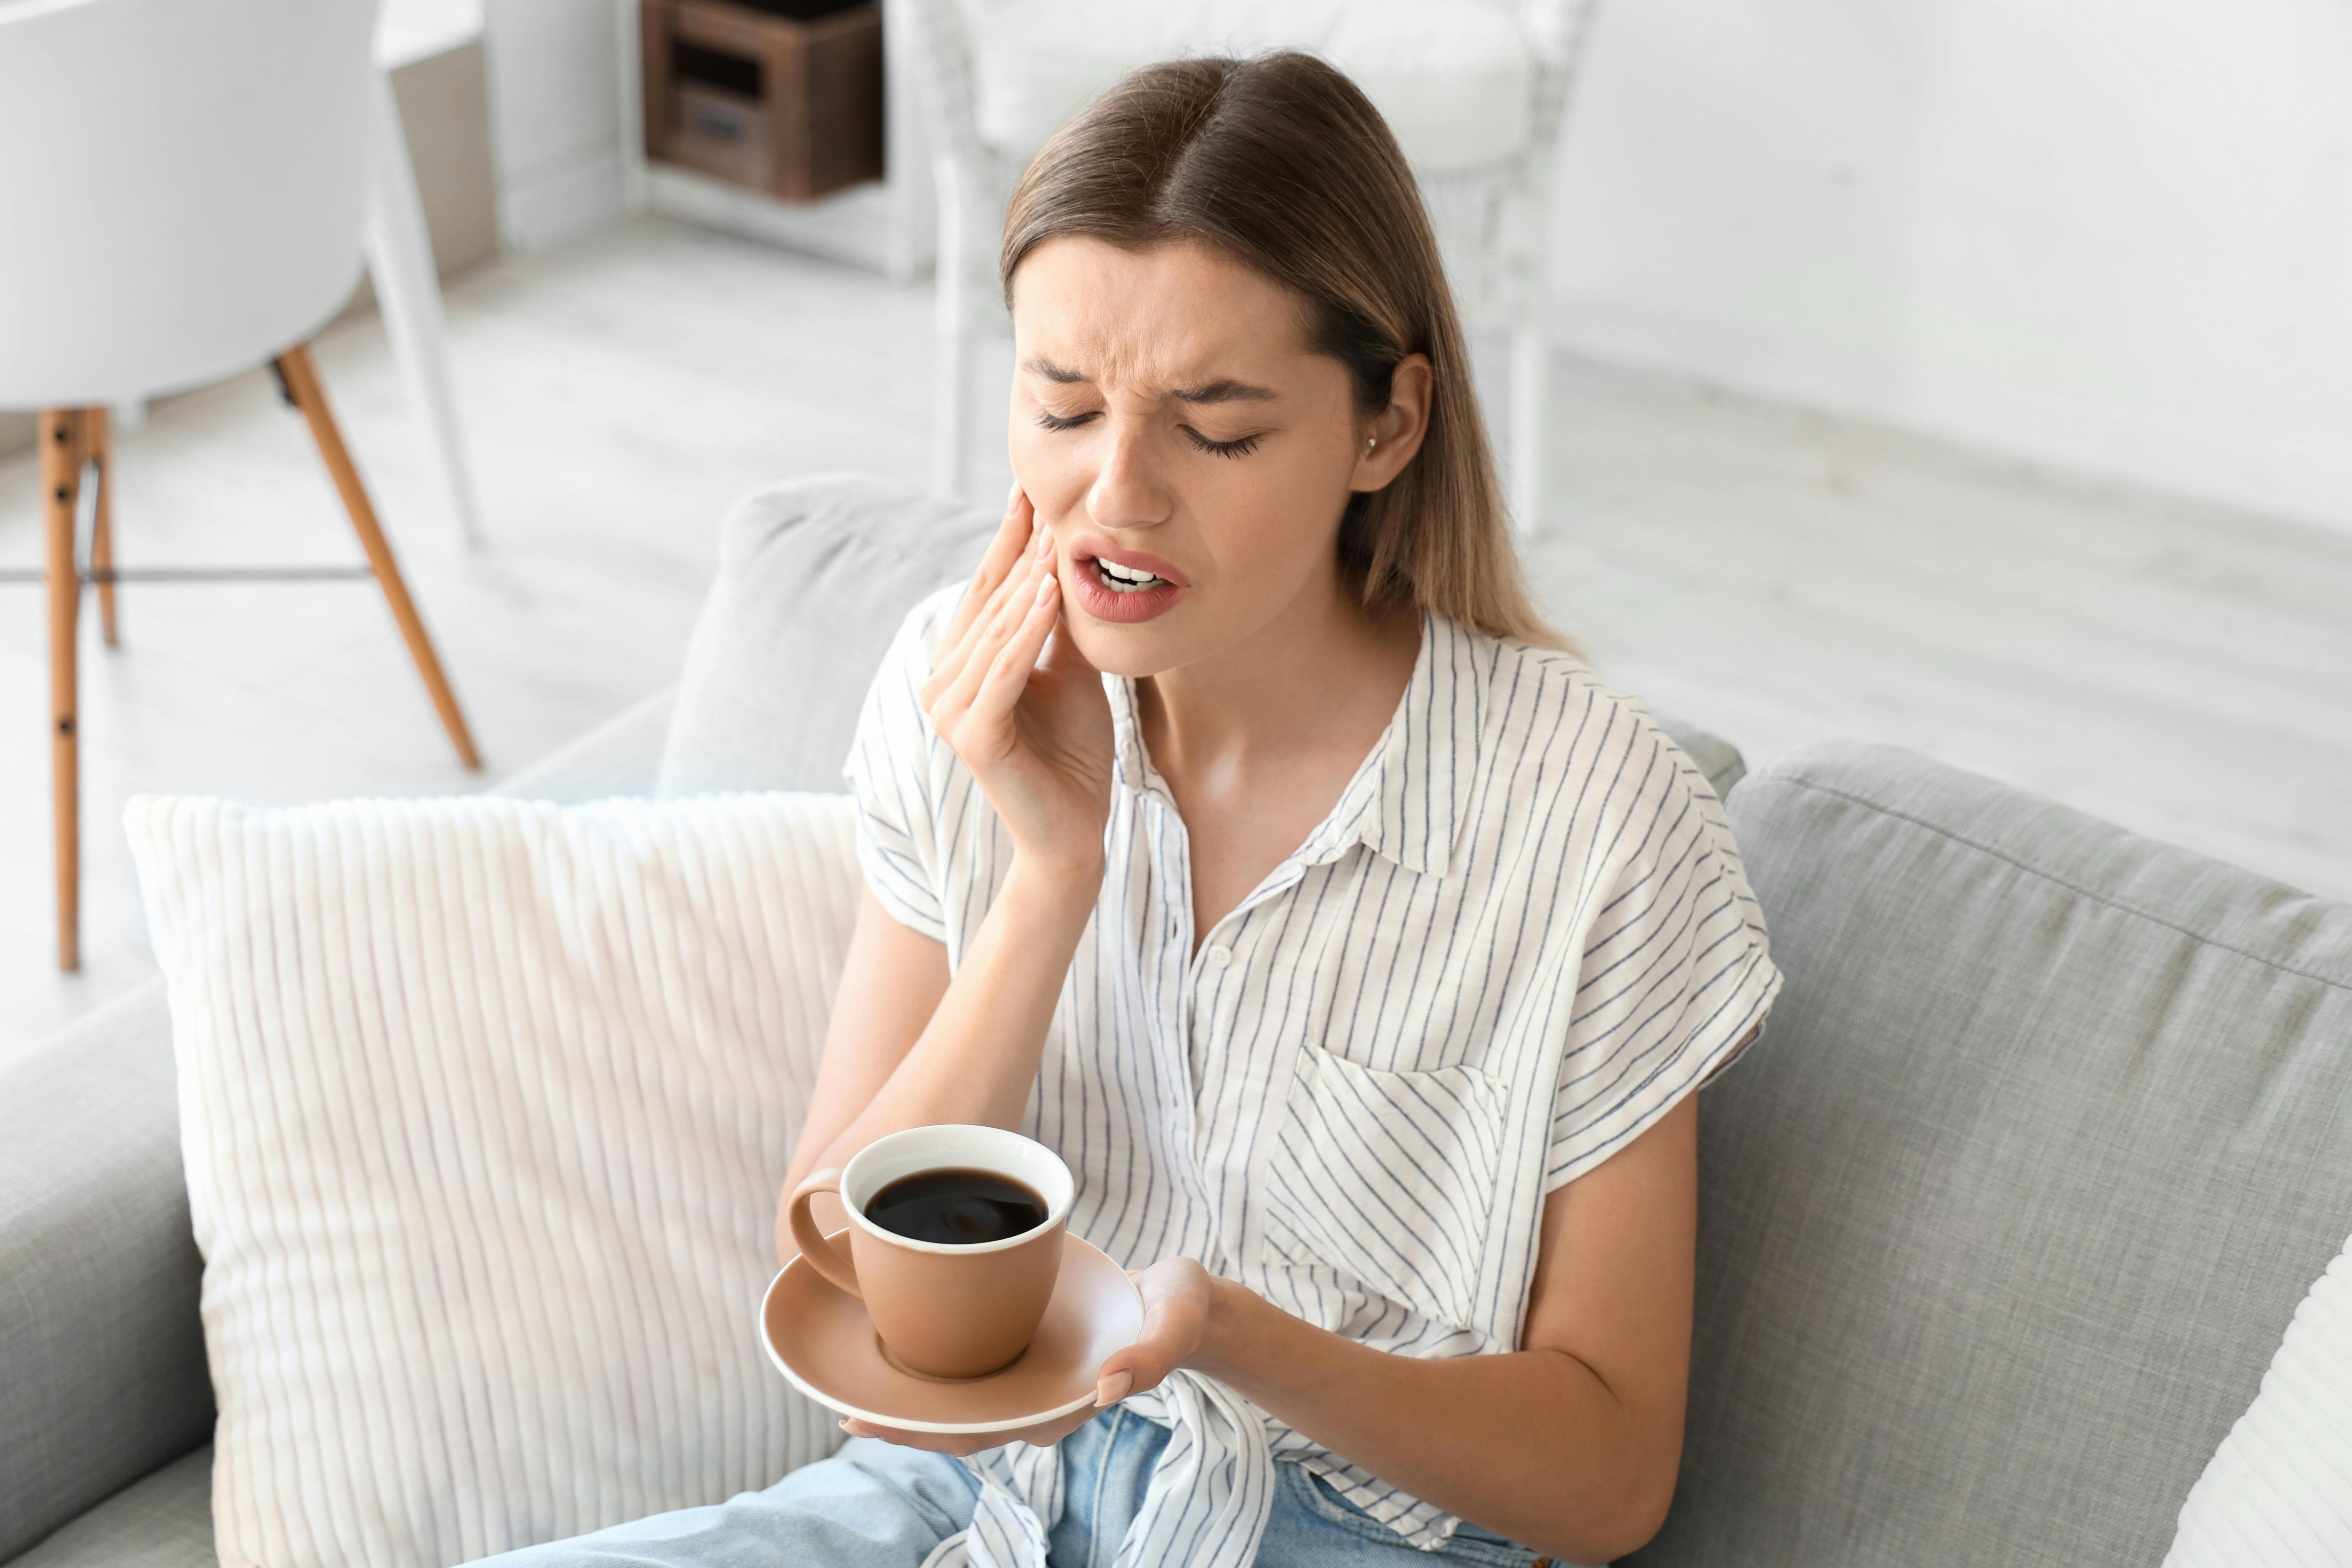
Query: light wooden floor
{"type": "Point", "coordinates": [1776, 575]}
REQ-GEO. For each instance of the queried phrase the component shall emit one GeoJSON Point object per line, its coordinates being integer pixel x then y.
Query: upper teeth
{"type": "Point", "coordinates": [1125, 579]}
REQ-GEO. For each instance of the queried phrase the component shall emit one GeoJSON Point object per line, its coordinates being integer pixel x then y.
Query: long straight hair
{"type": "Point", "coordinates": [1281, 163]}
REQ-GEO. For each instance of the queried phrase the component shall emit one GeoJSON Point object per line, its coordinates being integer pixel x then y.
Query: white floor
{"type": "Point", "coordinates": [1779, 576]}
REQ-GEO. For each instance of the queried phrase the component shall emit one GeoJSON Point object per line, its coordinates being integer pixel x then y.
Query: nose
{"type": "Point", "coordinates": [1127, 489]}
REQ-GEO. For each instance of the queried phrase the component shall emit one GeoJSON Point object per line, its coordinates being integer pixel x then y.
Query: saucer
{"type": "Point", "coordinates": [820, 1337]}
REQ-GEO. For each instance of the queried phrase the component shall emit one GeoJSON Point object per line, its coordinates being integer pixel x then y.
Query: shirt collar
{"type": "Point", "coordinates": [1408, 799]}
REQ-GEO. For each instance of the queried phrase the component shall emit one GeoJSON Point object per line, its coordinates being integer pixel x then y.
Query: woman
{"type": "Point", "coordinates": [1241, 834]}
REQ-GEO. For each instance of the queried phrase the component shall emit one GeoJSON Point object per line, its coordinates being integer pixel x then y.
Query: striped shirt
{"type": "Point", "coordinates": [1521, 936]}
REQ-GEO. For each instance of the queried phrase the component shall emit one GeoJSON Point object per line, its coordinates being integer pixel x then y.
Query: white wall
{"type": "Point", "coordinates": [2112, 234]}
{"type": "Point", "coordinates": [556, 108]}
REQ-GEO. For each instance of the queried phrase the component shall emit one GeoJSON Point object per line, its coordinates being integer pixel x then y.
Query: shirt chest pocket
{"type": "Point", "coordinates": [1389, 1178]}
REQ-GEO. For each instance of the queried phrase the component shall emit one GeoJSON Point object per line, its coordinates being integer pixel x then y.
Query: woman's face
{"type": "Point", "coordinates": [1191, 454]}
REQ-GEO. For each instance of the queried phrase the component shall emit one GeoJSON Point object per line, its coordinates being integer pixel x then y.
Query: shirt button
{"type": "Point", "coordinates": [1219, 956]}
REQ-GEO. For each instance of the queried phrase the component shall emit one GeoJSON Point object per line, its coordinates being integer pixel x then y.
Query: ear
{"type": "Point", "coordinates": [1390, 438]}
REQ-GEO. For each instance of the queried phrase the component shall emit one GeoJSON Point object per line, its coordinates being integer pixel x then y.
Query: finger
{"type": "Point", "coordinates": [993, 622]}
{"type": "Point", "coordinates": [985, 662]}
{"type": "Point", "coordinates": [1003, 553]}
{"type": "Point", "coordinates": [1172, 1321]}
{"type": "Point", "coordinates": [973, 619]}
{"type": "Point", "coordinates": [1003, 549]}
{"type": "Point", "coordinates": [950, 705]}
{"type": "Point", "coordinates": [1012, 598]}
{"type": "Point", "coordinates": [1063, 657]}
{"type": "Point", "coordinates": [951, 687]}
{"type": "Point", "coordinates": [1007, 675]}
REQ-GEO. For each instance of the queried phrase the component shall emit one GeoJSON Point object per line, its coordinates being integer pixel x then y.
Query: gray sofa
{"type": "Point", "coordinates": [2002, 1223]}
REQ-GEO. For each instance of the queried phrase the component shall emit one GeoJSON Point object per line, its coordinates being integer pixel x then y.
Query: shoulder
{"type": "Point", "coordinates": [1545, 701]}
{"type": "Point", "coordinates": [1562, 749]}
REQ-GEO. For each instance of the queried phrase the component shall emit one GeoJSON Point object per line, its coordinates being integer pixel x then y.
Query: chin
{"type": "Point", "coordinates": [1134, 651]}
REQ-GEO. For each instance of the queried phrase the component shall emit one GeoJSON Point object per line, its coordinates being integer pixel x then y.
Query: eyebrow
{"type": "Point", "coordinates": [1225, 391]}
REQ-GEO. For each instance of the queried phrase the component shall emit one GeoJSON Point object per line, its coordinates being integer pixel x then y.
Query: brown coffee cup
{"type": "Point", "coordinates": [942, 1310]}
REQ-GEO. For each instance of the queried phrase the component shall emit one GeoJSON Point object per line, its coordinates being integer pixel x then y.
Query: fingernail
{"type": "Point", "coordinates": [1113, 1388]}
{"type": "Point", "coordinates": [1045, 586]}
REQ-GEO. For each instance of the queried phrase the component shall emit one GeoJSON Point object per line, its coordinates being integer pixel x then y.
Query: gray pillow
{"type": "Point", "coordinates": [2002, 1223]}
{"type": "Point", "coordinates": [814, 576]}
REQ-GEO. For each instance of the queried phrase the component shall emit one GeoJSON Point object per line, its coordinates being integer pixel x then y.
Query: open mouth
{"type": "Point", "coordinates": [1126, 579]}
{"type": "Point", "coordinates": [1136, 588]}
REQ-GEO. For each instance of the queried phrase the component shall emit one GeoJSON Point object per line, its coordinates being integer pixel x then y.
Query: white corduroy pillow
{"type": "Point", "coordinates": [485, 1105]}
{"type": "Point", "coordinates": [2278, 1492]}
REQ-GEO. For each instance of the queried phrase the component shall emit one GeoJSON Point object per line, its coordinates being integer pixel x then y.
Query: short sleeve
{"type": "Point", "coordinates": [894, 770]}
{"type": "Point", "coordinates": [1675, 979]}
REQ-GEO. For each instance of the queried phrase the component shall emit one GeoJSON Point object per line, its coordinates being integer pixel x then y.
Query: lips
{"type": "Point", "coordinates": [1138, 587]}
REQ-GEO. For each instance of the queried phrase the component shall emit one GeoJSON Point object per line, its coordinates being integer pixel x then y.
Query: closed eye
{"type": "Point", "coordinates": [1052, 421]}
{"type": "Point", "coordinates": [1240, 446]}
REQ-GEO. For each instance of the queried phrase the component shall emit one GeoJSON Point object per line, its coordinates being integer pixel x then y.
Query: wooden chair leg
{"type": "Point", "coordinates": [61, 435]}
{"type": "Point", "coordinates": [301, 379]}
{"type": "Point", "coordinates": [97, 440]}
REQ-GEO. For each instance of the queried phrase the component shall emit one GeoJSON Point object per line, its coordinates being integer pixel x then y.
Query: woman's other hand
{"type": "Point", "coordinates": [1021, 707]}
{"type": "Point", "coordinates": [1175, 1316]}
{"type": "Point", "coordinates": [1175, 1319]}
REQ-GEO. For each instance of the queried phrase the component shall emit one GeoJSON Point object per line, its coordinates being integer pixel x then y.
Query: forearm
{"type": "Point", "coordinates": [976, 1059]}
{"type": "Point", "coordinates": [1531, 1444]}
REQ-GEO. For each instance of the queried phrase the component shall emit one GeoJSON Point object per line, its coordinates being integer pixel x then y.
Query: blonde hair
{"type": "Point", "coordinates": [1282, 162]}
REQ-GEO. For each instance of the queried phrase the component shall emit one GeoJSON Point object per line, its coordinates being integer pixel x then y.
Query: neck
{"type": "Point", "coordinates": [1313, 674]}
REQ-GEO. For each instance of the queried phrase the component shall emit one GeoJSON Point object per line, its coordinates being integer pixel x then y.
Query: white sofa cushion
{"type": "Point", "coordinates": [485, 1106]}
{"type": "Point", "coordinates": [2278, 1492]}
{"type": "Point", "coordinates": [1455, 81]}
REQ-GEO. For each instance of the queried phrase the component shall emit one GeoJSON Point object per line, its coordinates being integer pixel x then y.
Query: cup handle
{"type": "Point", "coordinates": [821, 1255]}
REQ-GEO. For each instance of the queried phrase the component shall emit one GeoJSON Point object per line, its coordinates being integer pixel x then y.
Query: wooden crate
{"type": "Point", "coordinates": [788, 105]}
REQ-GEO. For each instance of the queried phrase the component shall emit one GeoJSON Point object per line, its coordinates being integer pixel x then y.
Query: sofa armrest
{"type": "Point", "coordinates": [620, 756]}
{"type": "Point", "coordinates": [1717, 758]}
{"type": "Point", "coordinates": [102, 1375]}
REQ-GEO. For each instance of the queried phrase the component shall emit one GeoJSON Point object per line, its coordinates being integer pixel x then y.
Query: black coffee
{"type": "Point", "coordinates": [956, 1208]}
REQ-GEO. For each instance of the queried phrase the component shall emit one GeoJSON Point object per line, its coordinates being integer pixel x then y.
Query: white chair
{"type": "Point", "coordinates": [185, 183]}
{"type": "Point", "coordinates": [1475, 90]}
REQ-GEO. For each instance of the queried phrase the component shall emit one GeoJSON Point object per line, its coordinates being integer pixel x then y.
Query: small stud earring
{"type": "Point", "coordinates": [1372, 441]}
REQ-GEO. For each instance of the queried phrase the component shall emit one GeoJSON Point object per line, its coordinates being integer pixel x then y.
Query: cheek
{"type": "Point", "coordinates": [1051, 467]}
{"type": "Point", "coordinates": [1280, 516]}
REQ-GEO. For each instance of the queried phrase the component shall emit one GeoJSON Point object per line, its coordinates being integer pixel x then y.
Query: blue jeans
{"type": "Point", "coordinates": [874, 1505]}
